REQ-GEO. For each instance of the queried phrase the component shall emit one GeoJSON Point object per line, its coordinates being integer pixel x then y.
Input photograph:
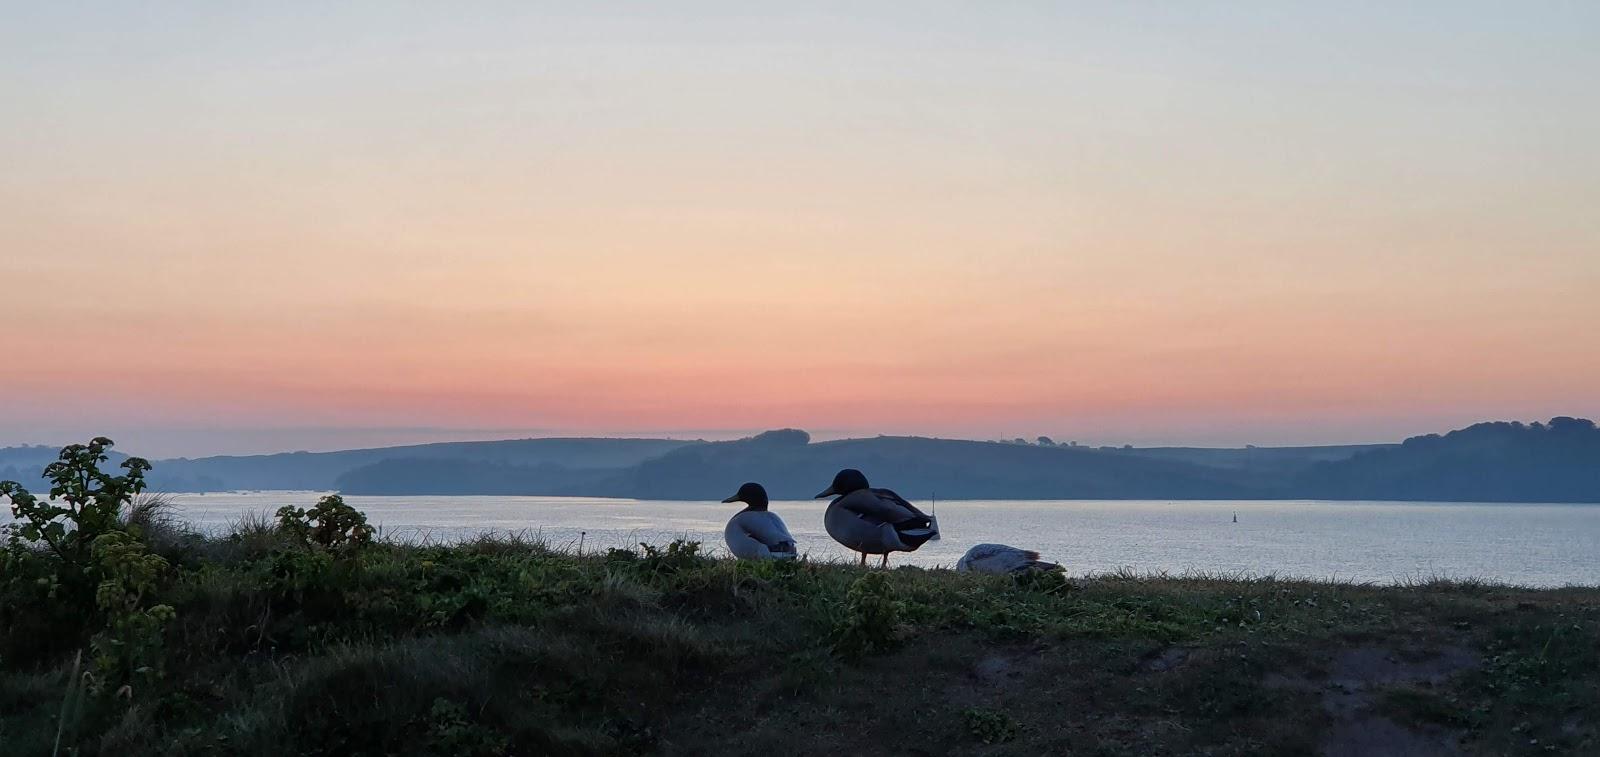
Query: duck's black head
{"type": "Point", "coordinates": [844, 482]}
{"type": "Point", "coordinates": [752, 494]}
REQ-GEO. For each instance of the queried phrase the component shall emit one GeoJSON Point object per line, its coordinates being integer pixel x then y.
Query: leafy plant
{"type": "Point", "coordinates": [291, 573]}
{"type": "Point", "coordinates": [989, 726]}
{"type": "Point", "coordinates": [330, 524]}
{"type": "Point", "coordinates": [452, 733]}
{"type": "Point", "coordinates": [129, 648]}
{"type": "Point", "coordinates": [677, 556]}
{"type": "Point", "coordinates": [871, 618]}
{"type": "Point", "coordinates": [615, 556]}
{"type": "Point", "coordinates": [71, 561]}
{"type": "Point", "coordinates": [84, 504]}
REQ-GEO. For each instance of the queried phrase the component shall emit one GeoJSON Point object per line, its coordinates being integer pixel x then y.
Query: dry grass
{"type": "Point", "coordinates": [154, 516]}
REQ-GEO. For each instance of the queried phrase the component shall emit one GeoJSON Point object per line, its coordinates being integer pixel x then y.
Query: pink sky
{"type": "Point", "coordinates": [314, 228]}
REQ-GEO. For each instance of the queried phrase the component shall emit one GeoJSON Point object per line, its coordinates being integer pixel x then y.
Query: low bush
{"type": "Point", "coordinates": [870, 621]}
{"type": "Point", "coordinates": [330, 525]}
{"type": "Point", "coordinates": [989, 726]}
{"type": "Point", "coordinates": [72, 565]}
{"type": "Point", "coordinates": [127, 652]}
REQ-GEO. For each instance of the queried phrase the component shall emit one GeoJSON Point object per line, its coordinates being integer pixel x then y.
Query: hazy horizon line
{"type": "Point", "coordinates": [380, 437]}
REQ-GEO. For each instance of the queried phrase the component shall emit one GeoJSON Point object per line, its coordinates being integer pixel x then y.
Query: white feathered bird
{"type": "Point", "coordinates": [756, 533]}
{"type": "Point", "coordinates": [1000, 559]}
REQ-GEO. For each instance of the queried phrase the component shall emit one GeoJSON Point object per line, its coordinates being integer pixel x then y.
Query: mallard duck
{"type": "Point", "coordinates": [873, 521]}
{"type": "Point", "coordinates": [999, 559]}
{"type": "Point", "coordinates": [755, 533]}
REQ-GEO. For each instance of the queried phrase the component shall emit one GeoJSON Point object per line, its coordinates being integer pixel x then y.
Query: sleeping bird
{"type": "Point", "coordinates": [999, 559]}
{"type": "Point", "coordinates": [755, 533]}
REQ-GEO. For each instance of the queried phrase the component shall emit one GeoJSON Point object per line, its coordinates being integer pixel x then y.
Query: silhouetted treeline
{"type": "Point", "coordinates": [1557, 461]}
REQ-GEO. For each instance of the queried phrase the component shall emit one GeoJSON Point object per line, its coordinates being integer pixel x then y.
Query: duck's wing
{"type": "Point", "coordinates": [899, 501]}
{"type": "Point", "coordinates": [767, 528]}
{"type": "Point", "coordinates": [982, 552]}
{"type": "Point", "coordinates": [871, 505]}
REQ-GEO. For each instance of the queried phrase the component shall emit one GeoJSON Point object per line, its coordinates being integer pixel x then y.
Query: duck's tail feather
{"type": "Point", "coordinates": [916, 536]}
{"type": "Point", "coordinates": [919, 521]}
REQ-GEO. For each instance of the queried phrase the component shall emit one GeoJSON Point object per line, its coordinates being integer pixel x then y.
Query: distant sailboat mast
{"type": "Point", "coordinates": [933, 517]}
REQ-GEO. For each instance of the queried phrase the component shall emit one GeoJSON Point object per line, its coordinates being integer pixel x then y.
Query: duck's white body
{"type": "Point", "coordinates": [999, 559]}
{"type": "Point", "coordinates": [864, 521]}
{"type": "Point", "coordinates": [759, 535]}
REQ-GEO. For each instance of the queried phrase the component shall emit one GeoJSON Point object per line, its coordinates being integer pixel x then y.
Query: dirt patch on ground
{"type": "Point", "coordinates": [993, 675]}
{"type": "Point", "coordinates": [1381, 666]}
{"type": "Point", "coordinates": [1006, 667]}
{"type": "Point", "coordinates": [1163, 660]}
{"type": "Point", "coordinates": [1351, 684]}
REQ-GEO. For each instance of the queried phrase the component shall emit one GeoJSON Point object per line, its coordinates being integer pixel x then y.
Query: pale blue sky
{"type": "Point", "coordinates": [311, 224]}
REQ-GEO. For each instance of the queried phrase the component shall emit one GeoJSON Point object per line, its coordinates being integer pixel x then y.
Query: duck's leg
{"type": "Point", "coordinates": [885, 563]}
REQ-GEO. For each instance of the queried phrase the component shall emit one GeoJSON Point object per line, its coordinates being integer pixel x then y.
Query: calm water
{"type": "Point", "coordinates": [1538, 545]}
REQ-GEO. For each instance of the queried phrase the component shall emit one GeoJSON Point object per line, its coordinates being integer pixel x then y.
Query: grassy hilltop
{"type": "Point", "coordinates": [304, 636]}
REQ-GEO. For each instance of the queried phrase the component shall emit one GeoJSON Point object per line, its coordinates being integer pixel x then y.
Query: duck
{"type": "Point", "coordinates": [756, 533]}
{"type": "Point", "coordinates": [873, 521]}
{"type": "Point", "coordinates": [1001, 559]}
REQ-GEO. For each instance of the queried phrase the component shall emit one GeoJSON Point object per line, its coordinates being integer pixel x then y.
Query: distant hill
{"type": "Point", "coordinates": [1498, 462]}
{"type": "Point", "coordinates": [791, 468]}
{"type": "Point", "coordinates": [1557, 461]}
{"type": "Point", "coordinates": [436, 476]}
{"type": "Point", "coordinates": [322, 470]}
{"type": "Point", "coordinates": [25, 464]}
{"type": "Point", "coordinates": [1267, 466]}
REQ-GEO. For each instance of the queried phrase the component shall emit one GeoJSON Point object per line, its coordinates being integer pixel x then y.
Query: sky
{"type": "Point", "coordinates": [232, 227]}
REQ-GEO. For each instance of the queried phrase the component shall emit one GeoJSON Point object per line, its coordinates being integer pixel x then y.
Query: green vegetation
{"type": "Point", "coordinates": [990, 726]}
{"type": "Point", "coordinates": [120, 634]}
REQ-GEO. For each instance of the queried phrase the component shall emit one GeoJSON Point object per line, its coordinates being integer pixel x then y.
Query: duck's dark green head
{"type": "Point", "coordinates": [752, 494]}
{"type": "Point", "coordinates": [844, 482]}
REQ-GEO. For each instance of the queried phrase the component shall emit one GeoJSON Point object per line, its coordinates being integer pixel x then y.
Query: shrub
{"type": "Point", "coordinates": [452, 733]}
{"type": "Point", "coordinates": [615, 556]}
{"type": "Point", "coordinates": [677, 556]}
{"type": "Point", "coordinates": [129, 648]}
{"type": "Point", "coordinates": [989, 726]}
{"type": "Point", "coordinates": [331, 525]}
{"type": "Point", "coordinates": [680, 555]}
{"type": "Point", "coordinates": [871, 618]}
{"type": "Point", "coordinates": [84, 503]}
{"type": "Point", "coordinates": [293, 574]}
{"type": "Point", "coordinates": [70, 564]}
